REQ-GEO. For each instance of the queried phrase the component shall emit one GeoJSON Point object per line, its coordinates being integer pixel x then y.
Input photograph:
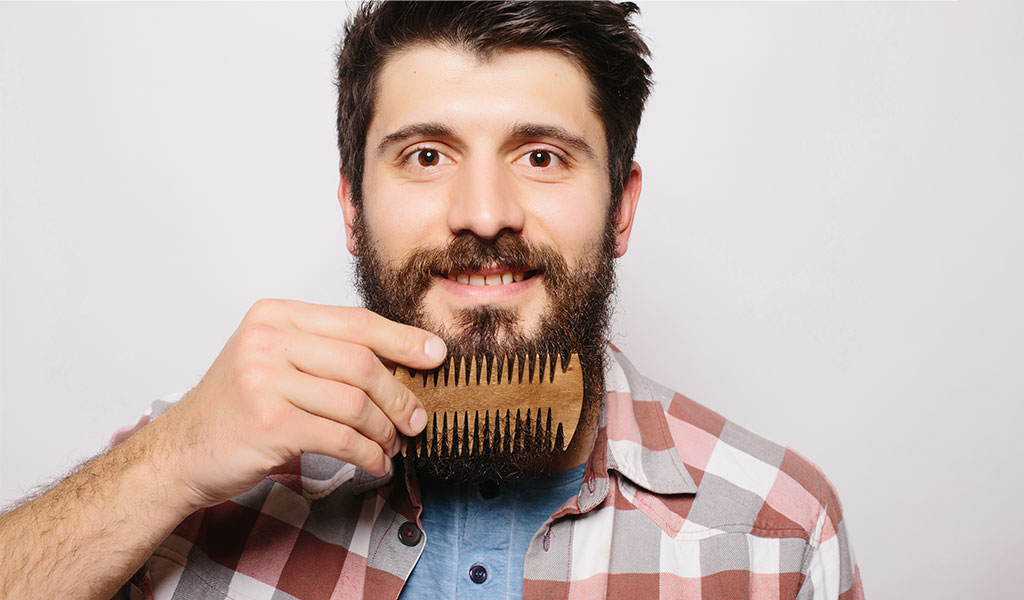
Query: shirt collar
{"type": "Point", "coordinates": [637, 441]}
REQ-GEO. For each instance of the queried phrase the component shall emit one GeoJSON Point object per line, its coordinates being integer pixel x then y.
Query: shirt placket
{"type": "Point", "coordinates": [549, 557]}
{"type": "Point", "coordinates": [397, 540]}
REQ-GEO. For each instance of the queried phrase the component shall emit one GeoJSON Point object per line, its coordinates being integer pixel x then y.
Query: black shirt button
{"type": "Point", "coordinates": [478, 573]}
{"type": "Point", "coordinates": [409, 533]}
{"type": "Point", "coordinates": [489, 489]}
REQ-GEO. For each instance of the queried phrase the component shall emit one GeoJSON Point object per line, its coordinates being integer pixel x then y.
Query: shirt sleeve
{"type": "Point", "coordinates": [139, 587]}
{"type": "Point", "coordinates": [830, 569]}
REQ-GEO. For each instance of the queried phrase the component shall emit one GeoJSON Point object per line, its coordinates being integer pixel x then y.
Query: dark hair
{"type": "Point", "coordinates": [597, 35]}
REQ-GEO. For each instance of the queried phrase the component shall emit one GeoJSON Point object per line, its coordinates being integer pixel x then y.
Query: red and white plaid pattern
{"type": "Point", "coordinates": [676, 502]}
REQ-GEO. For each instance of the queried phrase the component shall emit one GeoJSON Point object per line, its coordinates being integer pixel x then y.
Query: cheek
{"type": "Point", "coordinates": [572, 220]}
{"type": "Point", "coordinates": [401, 216]}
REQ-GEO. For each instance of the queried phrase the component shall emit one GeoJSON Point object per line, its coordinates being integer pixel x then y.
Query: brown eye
{"type": "Point", "coordinates": [540, 158]}
{"type": "Point", "coordinates": [427, 157]}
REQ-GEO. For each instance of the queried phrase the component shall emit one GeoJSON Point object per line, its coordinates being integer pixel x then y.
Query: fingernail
{"type": "Point", "coordinates": [435, 349]}
{"type": "Point", "coordinates": [418, 420]}
{"type": "Point", "coordinates": [395, 446]}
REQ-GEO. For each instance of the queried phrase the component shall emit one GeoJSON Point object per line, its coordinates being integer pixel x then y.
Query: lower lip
{"type": "Point", "coordinates": [485, 292]}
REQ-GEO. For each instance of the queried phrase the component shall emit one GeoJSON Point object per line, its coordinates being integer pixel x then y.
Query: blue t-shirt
{"type": "Point", "coordinates": [477, 534]}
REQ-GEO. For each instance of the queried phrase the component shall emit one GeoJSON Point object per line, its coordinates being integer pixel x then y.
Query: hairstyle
{"type": "Point", "coordinates": [598, 36]}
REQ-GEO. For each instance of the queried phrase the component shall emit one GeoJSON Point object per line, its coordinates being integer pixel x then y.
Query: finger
{"type": "Point", "coordinates": [356, 366]}
{"type": "Point", "coordinates": [405, 344]}
{"type": "Point", "coordinates": [341, 403]}
{"type": "Point", "coordinates": [323, 436]}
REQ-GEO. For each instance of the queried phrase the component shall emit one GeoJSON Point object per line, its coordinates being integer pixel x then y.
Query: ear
{"type": "Point", "coordinates": [349, 210]}
{"type": "Point", "coordinates": [627, 209]}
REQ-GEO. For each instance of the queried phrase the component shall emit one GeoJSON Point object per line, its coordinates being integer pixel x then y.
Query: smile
{"type": "Point", "coordinates": [488, 284]}
{"type": "Point", "coordinates": [486, 278]}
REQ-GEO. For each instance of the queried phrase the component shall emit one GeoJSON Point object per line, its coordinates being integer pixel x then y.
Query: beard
{"type": "Point", "coordinates": [575, 320]}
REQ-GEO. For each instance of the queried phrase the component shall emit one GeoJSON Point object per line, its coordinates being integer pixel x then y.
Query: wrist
{"type": "Point", "coordinates": [153, 475]}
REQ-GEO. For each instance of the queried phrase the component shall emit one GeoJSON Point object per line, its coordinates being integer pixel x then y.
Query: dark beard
{"type": "Point", "coordinates": [575, 321]}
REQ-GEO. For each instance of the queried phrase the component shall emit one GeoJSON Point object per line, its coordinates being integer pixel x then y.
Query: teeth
{"type": "Point", "coordinates": [495, 279]}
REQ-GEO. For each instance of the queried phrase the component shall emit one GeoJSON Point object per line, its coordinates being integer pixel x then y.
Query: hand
{"type": "Point", "coordinates": [293, 378]}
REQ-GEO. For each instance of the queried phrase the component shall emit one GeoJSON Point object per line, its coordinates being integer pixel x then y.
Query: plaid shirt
{"type": "Point", "coordinates": [676, 502]}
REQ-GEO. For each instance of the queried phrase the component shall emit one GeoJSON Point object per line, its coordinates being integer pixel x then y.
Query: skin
{"type": "Point", "coordinates": [482, 179]}
{"type": "Point", "coordinates": [293, 378]}
{"type": "Point", "coordinates": [298, 377]}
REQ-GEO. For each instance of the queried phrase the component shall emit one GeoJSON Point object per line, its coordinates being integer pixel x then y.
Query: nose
{"type": "Point", "coordinates": [484, 202]}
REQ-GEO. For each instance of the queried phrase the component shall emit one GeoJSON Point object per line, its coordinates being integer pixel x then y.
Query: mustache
{"type": "Point", "coordinates": [468, 252]}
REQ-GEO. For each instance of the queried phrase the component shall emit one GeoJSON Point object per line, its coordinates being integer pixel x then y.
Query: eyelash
{"type": "Point", "coordinates": [412, 153]}
{"type": "Point", "coordinates": [563, 161]}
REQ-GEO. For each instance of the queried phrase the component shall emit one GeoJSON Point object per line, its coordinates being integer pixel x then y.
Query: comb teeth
{"type": "Point", "coordinates": [487, 369]}
{"type": "Point", "coordinates": [468, 435]}
{"type": "Point", "coordinates": [496, 405]}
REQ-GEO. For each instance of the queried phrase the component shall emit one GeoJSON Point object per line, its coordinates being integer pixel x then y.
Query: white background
{"type": "Point", "coordinates": [828, 249]}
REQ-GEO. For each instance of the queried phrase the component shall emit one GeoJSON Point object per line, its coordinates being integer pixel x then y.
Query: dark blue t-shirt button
{"type": "Point", "coordinates": [478, 573]}
{"type": "Point", "coordinates": [409, 533]}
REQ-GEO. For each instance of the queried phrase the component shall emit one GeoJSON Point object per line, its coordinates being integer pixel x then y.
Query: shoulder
{"type": "Point", "coordinates": [744, 481]}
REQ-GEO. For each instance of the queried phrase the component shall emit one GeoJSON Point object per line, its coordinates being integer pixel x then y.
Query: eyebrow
{"type": "Point", "coordinates": [519, 130]}
{"type": "Point", "coordinates": [414, 130]}
{"type": "Point", "coordinates": [532, 130]}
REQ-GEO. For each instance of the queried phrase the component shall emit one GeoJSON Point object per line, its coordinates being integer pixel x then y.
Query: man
{"type": "Point", "coordinates": [487, 186]}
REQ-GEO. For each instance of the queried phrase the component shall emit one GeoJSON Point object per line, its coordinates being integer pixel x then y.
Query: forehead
{"type": "Point", "coordinates": [473, 95]}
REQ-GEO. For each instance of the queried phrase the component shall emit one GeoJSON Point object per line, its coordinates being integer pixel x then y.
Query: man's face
{"type": "Point", "coordinates": [485, 213]}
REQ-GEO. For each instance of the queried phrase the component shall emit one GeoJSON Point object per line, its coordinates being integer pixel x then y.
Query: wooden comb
{"type": "Point", "coordinates": [497, 404]}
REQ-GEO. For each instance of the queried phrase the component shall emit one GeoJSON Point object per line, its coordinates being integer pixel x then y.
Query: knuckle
{"type": "Point", "coordinates": [388, 435]}
{"type": "Point", "coordinates": [254, 378]}
{"type": "Point", "coordinates": [365, 363]}
{"type": "Point", "coordinates": [268, 416]}
{"type": "Point", "coordinates": [346, 439]}
{"type": "Point", "coordinates": [257, 336]}
{"type": "Point", "coordinates": [356, 401]}
{"type": "Point", "coordinates": [365, 316]}
{"type": "Point", "coordinates": [404, 402]}
{"type": "Point", "coordinates": [263, 309]}
{"type": "Point", "coordinates": [373, 456]}
{"type": "Point", "coordinates": [358, 322]}
{"type": "Point", "coordinates": [408, 343]}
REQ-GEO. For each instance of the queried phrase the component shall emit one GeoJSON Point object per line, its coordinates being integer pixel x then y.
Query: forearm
{"type": "Point", "coordinates": [87, 536]}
